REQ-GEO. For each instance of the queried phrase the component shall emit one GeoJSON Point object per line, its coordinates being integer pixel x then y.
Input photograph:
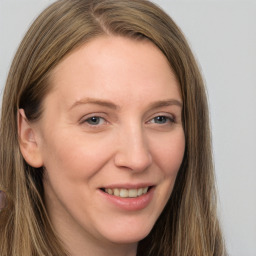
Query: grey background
{"type": "Point", "coordinates": [222, 35]}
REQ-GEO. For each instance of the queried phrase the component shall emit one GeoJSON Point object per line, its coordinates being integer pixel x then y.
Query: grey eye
{"type": "Point", "coordinates": [161, 119]}
{"type": "Point", "coordinates": [94, 120]}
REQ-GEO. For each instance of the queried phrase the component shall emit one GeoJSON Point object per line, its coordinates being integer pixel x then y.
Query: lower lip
{"type": "Point", "coordinates": [130, 204]}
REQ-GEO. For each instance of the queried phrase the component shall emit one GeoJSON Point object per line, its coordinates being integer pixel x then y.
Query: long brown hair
{"type": "Point", "coordinates": [188, 226]}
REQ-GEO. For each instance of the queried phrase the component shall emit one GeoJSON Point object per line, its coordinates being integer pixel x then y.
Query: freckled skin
{"type": "Point", "coordinates": [126, 144]}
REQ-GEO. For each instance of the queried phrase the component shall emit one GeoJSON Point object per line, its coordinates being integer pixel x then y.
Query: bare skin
{"type": "Point", "coordinates": [112, 122]}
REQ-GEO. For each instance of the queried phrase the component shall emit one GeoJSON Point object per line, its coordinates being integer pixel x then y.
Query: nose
{"type": "Point", "coordinates": [132, 150]}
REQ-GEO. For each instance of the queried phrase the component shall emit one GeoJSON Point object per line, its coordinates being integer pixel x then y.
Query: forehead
{"type": "Point", "coordinates": [114, 66]}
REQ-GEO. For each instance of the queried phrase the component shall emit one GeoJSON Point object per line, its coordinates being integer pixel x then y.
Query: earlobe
{"type": "Point", "coordinates": [27, 141]}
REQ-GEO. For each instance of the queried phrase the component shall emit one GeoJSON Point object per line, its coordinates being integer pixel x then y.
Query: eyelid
{"type": "Point", "coordinates": [88, 116]}
{"type": "Point", "coordinates": [165, 114]}
{"type": "Point", "coordinates": [90, 122]}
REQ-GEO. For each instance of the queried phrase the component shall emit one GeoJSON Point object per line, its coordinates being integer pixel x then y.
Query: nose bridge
{"type": "Point", "coordinates": [133, 149]}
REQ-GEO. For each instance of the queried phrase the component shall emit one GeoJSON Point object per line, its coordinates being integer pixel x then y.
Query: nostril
{"type": "Point", "coordinates": [133, 152]}
{"type": "Point", "coordinates": [133, 161]}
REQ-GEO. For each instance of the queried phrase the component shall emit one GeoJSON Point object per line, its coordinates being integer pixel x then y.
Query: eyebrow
{"type": "Point", "coordinates": [166, 103]}
{"type": "Point", "coordinates": [111, 105]}
{"type": "Point", "coordinates": [100, 102]}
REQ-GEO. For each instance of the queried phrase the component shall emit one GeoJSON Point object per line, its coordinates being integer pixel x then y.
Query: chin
{"type": "Point", "coordinates": [128, 235]}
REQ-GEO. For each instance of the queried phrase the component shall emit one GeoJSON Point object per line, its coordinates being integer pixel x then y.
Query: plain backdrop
{"type": "Point", "coordinates": [222, 35]}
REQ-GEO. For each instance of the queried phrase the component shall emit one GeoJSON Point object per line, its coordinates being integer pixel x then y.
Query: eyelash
{"type": "Point", "coordinates": [167, 120]}
{"type": "Point", "coordinates": [87, 120]}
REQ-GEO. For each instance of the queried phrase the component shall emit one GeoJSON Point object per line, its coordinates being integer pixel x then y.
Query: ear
{"type": "Point", "coordinates": [27, 141]}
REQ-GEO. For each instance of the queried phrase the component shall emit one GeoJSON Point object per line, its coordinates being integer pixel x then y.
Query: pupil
{"type": "Point", "coordinates": [160, 119]}
{"type": "Point", "coordinates": [94, 120]}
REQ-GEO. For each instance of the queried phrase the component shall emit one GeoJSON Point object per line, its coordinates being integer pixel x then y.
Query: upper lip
{"type": "Point", "coordinates": [129, 186]}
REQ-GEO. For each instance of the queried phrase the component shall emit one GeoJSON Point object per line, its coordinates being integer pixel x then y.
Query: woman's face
{"type": "Point", "coordinates": [111, 140]}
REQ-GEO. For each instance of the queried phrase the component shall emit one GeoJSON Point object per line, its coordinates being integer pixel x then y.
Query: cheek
{"type": "Point", "coordinates": [168, 156]}
{"type": "Point", "coordinates": [74, 158]}
{"type": "Point", "coordinates": [169, 152]}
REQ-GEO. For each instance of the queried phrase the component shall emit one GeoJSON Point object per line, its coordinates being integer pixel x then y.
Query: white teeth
{"type": "Point", "coordinates": [140, 191]}
{"type": "Point", "coordinates": [110, 191]}
{"type": "Point", "coordinates": [116, 192]}
{"type": "Point", "coordinates": [133, 192]}
{"type": "Point", "coordinates": [122, 192]}
{"type": "Point", "coordinates": [145, 190]}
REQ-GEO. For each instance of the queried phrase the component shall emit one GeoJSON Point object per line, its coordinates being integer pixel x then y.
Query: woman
{"type": "Point", "coordinates": [105, 141]}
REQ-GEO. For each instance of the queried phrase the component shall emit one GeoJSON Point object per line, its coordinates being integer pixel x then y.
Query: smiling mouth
{"type": "Point", "coordinates": [126, 193]}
